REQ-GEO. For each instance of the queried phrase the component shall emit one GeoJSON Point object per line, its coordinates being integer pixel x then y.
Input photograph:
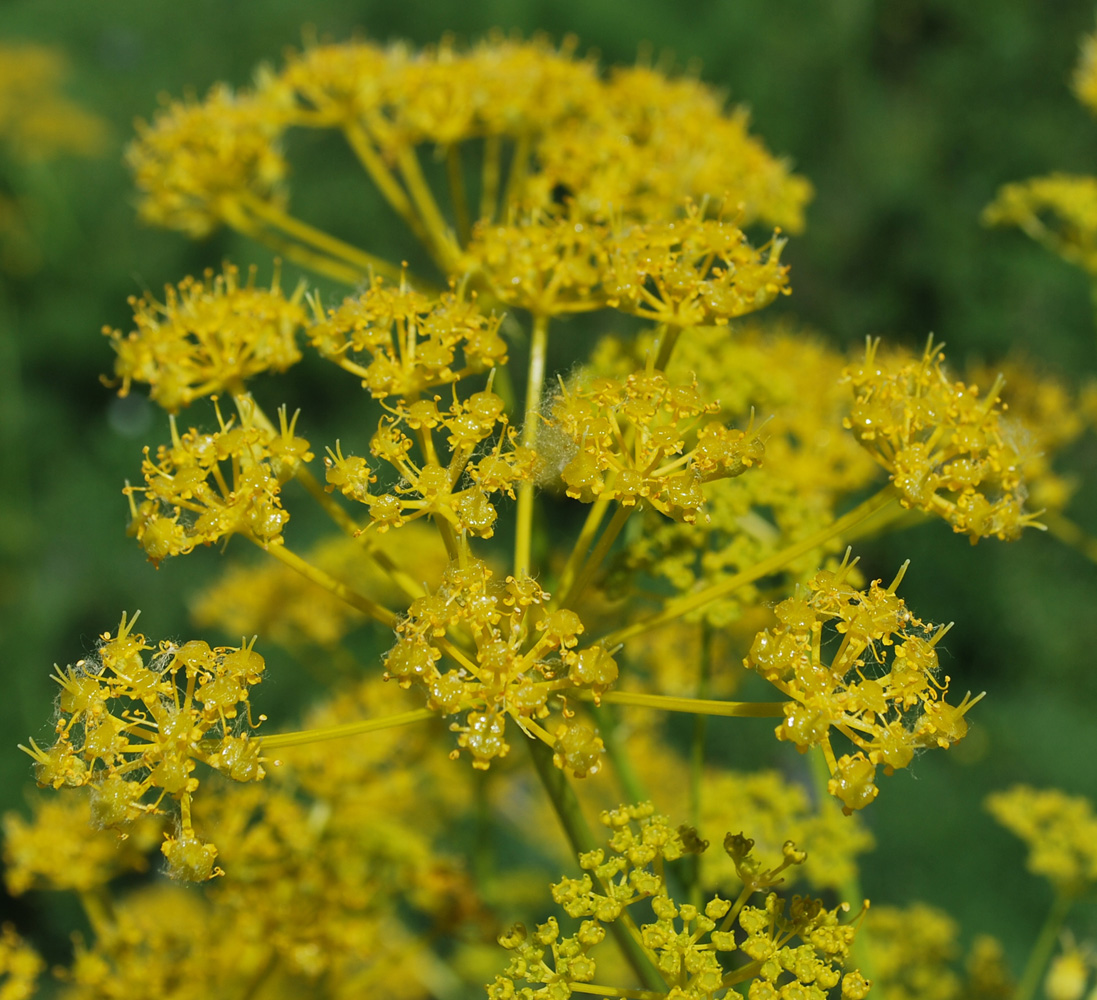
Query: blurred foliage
{"type": "Point", "coordinates": [906, 115]}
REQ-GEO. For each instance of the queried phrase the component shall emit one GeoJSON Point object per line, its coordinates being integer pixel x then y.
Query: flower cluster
{"type": "Point", "coordinates": [133, 726]}
{"type": "Point", "coordinates": [402, 342]}
{"type": "Point", "coordinates": [642, 439]}
{"type": "Point", "coordinates": [20, 966]}
{"type": "Point", "coordinates": [792, 379]}
{"type": "Point", "coordinates": [1059, 829]}
{"type": "Point", "coordinates": [692, 948]}
{"type": "Point", "coordinates": [1059, 210]}
{"type": "Point", "coordinates": [553, 189]}
{"type": "Point", "coordinates": [913, 950]}
{"type": "Point", "coordinates": [948, 449]}
{"type": "Point", "coordinates": [60, 847]}
{"type": "Point", "coordinates": [880, 687]}
{"type": "Point", "coordinates": [198, 161]}
{"type": "Point", "coordinates": [454, 493]}
{"type": "Point", "coordinates": [525, 657]}
{"type": "Point", "coordinates": [633, 143]}
{"type": "Point", "coordinates": [1085, 74]}
{"type": "Point", "coordinates": [207, 486]}
{"type": "Point", "coordinates": [207, 337]}
{"type": "Point", "coordinates": [684, 272]}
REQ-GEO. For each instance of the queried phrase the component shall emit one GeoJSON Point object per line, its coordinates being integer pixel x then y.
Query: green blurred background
{"type": "Point", "coordinates": [905, 114]}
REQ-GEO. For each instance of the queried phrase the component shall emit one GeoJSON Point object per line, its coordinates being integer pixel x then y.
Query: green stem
{"type": "Point", "coordinates": [680, 606]}
{"type": "Point", "coordinates": [382, 177]}
{"type": "Point", "coordinates": [439, 240]}
{"type": "Point", "coordinates": [693, 706]}
{"type": "Point", "coordinates": [490, 173]}
{"type": "Point", "coordinates": [851, 891]}
{"type": "Point", "coordinates": [305, 736]}
{"type": "Point", "coordinates": [597, 556]}
{"type": "Point", "coordinates": [579, 835]}
{"type": "Point", "coordinates": [697, 759]}
{"type": "Point", "coordinates": [582, 544]}
{"type": "Point", "coordinates": [667, 339]}
{"type": "Point", "coordinates": [631, 785]}
{"type": "Point", "coordinates": [271, 215]}
{"type": "Point", "coordinates": [365, 604]}
{"type": "Point", "coordinates": [1068, 532]}
{"type": "Point", "coordinates": [1043, 946]}
{"type": "Point", "coordinates": [538, 350]}
{"type": "Point", "coordinates": [458, 194]}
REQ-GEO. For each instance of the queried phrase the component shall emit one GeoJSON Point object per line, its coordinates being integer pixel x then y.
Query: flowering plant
{"type": "Point", "coordinates": [554, 561]}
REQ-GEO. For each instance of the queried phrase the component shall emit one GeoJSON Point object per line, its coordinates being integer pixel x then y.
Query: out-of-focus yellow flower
{"type": "Point", "coordinates": [59, 848]}
{"type": "Point", "coordinates": [20, 966]}
{"type": "Point", "coordinates": [196, 160]}
{"type": "Point", "coordinates": [1059, 829]}
{"type": "Point", "coordinates": [37, 121]}
{"type": "Point", "coordinates": [1085, 73]}
{"type": "Point", "coordinates": [914, 950]}
{"type": "Point", "coordinates": [1059, 211]}
{"type": "Point", "coordinates": [274, 601]}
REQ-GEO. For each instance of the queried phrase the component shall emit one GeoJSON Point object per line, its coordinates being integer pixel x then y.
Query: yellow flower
{"type": "Point", "coordinates": [207, 337]}
{"type": "Point", "coordinates": [401, 342]}
{"type": "Point", "coordinates": [205, 487]}
{"type": "Point", "coordinates": [880, 688]}
{"type": "Point", "coordinates": [196, 161]}
{"type": "Point", "coordinates": [1059, 211]}
{"type": "Point", "coordinates": [1059, 829]}
{"type": "Point", "coordinates": [37, 121]}
{"type": "Point", "coordinates": [1085, 74]}
{"type": "Point", "coordinates": [948, 449]}
{"type": "Point", "coordinates": [132, 726]}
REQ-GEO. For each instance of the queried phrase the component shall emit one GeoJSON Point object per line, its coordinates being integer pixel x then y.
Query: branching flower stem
{"type": "Point", "coordinates": [490, 172]}
{"type": "Point", "coordinates": [365, 604]}
{"type": "Point", "coordinates": [458, 195]}
{"type": "Point", "coordinates": [331, 507]}
{"type": "Point", "coordinates": [439, 238]}
{"type": "Point", "coordinates": [1070, 533]}
{"type": "Point", "coordinates": [605, 543]}
{"type": "Point", "coordinates": [363, 262]}
{"type": "Point", "coordinates": [304, 736]}
{"type": "Point", "coordinates": [680, 606]}
{"type": "Point", "coordinates": [586, 535]}
{"type": "Point", "coordinates": [861, 950]}
{"type": "Point", "coordinates": [382, 177]}
{"type": "Point", "coordinates": [311, 260]}
{"type": "Point", "coordinates": [693, 706]}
